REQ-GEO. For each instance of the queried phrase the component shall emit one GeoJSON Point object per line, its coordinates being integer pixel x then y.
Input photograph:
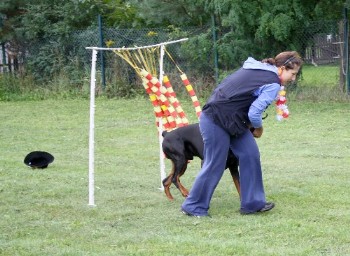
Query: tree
{"type": "Point", "coordinates": [259, 28]}
{"type": "Point", "coordinates": [172, 12]}
{"type": "Point", "coordinates": [43, 33]}
{"type": "Point", "coordinates": [264, 28]}
{"type": "Point", "coordinates": [254, 27]}
{"type": "Point", "coordinates": [9, 11]}
{"type": "Point", "coordinates": [121, 14]}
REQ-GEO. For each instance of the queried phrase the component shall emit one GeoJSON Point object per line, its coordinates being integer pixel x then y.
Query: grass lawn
{"type": "Point", "coordinates": [320, 76]}
{"type": "Point", "coordinates": [306, 171]}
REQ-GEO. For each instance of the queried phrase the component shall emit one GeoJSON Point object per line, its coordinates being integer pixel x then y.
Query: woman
{"type": "Point", "coordinates": [234, 107]}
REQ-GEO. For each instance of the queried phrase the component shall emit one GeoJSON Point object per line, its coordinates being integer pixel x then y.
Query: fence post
{"type": "Point", "coordinates": [103, 78]}
{"type": "Point", "coordinates": [346, 49]}
{"type": "Point", "coordinates": [347, 52]}
{"type": "Point", "coordinates": [216, 68]}
{"type": "Point", "coordinates": [3, 50]}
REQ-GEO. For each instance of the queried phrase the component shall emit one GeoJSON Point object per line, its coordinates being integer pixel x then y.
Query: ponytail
{"type": "Point", "coordinates": [287, 59]}
{"type": "Point", "coordinates": [270, 61]}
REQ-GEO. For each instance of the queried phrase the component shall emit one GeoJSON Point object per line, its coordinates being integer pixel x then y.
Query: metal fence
{"type": "Point", "coordinates": [325, 52]}
{"type": "Point", "coordinates": [117, 71]}
{"type": "Point", "coordinates": [324, 48]}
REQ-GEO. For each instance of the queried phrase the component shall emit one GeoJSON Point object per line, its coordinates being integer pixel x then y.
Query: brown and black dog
{"type": "Point", "coordinates": [180, 146]}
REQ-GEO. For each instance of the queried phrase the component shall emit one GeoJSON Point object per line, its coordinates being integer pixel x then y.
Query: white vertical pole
{"type": "Point", "coordinates": [160, 130]}
{"type": "Point", "coordinates": [161, 154]}
{"type": "Point", "coordinates": [92, 129]}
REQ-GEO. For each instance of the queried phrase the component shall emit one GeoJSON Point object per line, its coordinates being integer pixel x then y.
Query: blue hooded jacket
{"type": "Point", "coordinates": [240, 99]}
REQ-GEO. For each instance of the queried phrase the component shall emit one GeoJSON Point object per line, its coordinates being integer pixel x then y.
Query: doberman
{"type": "Point", "coordinates": [180, 146]}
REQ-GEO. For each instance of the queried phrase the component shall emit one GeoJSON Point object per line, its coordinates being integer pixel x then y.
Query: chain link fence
{"type": "Point", "coordinates": [120, 76]}
{"type": "Point", "coordinates": [322, 45]}
{"type": "Point", "coordinates": [323, 48]}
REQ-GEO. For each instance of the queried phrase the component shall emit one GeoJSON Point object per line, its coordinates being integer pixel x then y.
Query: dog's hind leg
{"type": "Point", "coordinates": [180, 168]}
{"type": "Point", "coordinates": [182, 189]}
{"type": "Point", "coordinates": [235, 176]}
{"type": "Point", "coordinates": [237, 185]}
{"type": "Point", "coordinates": [167, 183]}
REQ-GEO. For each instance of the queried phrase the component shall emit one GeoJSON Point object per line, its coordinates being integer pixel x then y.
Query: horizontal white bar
{"type": "Point", "coordinates": [135, 48]}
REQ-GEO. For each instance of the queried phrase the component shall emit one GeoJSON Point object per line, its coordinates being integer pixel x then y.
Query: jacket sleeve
{"type": "Point", "coordinates": [266, 95]}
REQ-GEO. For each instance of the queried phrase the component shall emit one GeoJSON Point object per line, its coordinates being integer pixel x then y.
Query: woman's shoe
{"type": "Point", "coordinates": [193, 215]}
{"type": "Point", "coordinates": [268, 206]}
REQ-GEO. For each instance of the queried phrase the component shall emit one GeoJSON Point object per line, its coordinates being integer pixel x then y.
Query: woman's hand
{"type": "Point", "coordinates": [258, 132]}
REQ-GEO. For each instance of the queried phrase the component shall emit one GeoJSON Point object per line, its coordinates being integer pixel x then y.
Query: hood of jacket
{"type": "Point", "coordinates": [251, 63]}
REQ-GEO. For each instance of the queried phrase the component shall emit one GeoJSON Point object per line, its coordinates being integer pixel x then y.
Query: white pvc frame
{"type": "Point", "coordinates": [92, 113]}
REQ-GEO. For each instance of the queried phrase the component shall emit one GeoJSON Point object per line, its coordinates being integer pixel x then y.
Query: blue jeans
{"type": "Point", "coordinates": [217, 143]}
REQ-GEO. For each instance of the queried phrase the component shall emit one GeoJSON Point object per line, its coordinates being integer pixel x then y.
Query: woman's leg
{"type": "Point", "coordinates": [252, 188]}
{"type": "Point", "coordinates": [216, 146]}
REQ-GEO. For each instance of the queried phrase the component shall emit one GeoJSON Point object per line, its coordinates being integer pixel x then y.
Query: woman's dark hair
{"type": "Point", "coordinates": [288, 59]}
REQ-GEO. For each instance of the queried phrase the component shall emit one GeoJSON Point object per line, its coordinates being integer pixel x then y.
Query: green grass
{"type": "Point", "coordinates": [306, 171]}
{"type": "Point", "coordinates": [320, 76]}
{"type": "Point", "coordinates": [318, 84]}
